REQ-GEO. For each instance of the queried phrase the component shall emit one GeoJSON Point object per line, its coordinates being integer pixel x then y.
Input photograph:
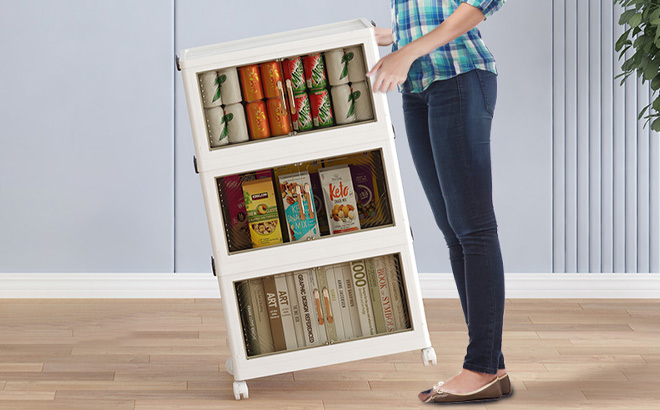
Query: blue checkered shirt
{"type": "Point", "coordinates": [411, 19]}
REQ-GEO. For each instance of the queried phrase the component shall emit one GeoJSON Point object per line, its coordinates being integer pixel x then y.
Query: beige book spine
{"type": "Point", "coordinates": [261, 319]}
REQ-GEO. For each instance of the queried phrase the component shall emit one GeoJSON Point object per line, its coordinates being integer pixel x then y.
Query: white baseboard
{"type": "Point", "coordinates": [108, 285]}
{"type": "Point", "coordinates": [557, 285]}
{"type": "Point", "coordinates": [434, 285]}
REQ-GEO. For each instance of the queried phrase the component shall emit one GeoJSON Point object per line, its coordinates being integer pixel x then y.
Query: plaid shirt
{"type": "Point", "coordinates": [411, 19]}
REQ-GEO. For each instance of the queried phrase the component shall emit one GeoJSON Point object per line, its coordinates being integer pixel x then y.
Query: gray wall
{"type": "Point", "coordinates": [103, 183]}
{"type": "Point", "coordinates": [606, 165]}
{"type": "Point", "coordinates": [86, 136]}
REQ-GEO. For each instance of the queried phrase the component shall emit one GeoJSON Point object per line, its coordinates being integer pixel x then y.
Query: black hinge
{"type": "Point", "coordinates": [178, 65]}
{"type": "Point", "coordinates": [412, 234]}
{"type": "Point", "coordinates": [393, 131]}
{"type": "Point", "coordinates": [213, 266]}
{"type": "Point", "coordinates": [195, 164]}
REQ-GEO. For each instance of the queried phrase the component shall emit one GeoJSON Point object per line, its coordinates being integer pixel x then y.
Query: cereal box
{"type": "Point", "coordinates": [339, 197]}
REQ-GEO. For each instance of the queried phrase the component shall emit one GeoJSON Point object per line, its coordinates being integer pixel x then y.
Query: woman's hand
{"type": "Point", "coordinates": [392, 70]}
{"type": "Point", "coordinates": [383, 36]}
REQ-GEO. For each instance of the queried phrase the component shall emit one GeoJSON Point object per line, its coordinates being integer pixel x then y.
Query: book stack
{"type": "Point", "coordinates": [323, 305]}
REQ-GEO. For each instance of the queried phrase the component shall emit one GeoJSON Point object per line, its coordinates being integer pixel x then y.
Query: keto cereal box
{"type": "Point", "coordinates": [339, 196]}
{"type": "Point", "coordinates": [299, 207]}
{"type": "Point", "coordinates": [262, 214]}
{"type": "Point", "coordinates": [363, 176]}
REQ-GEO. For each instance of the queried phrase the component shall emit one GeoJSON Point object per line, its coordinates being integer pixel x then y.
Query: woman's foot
{"type": "Point", "coordinates": [466, 381]}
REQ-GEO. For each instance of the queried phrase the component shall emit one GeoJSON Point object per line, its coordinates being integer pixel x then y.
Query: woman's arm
{"type": "Point", "coordinates": [383, 36]}
{"type": "Point", "coordinates": [393, 68]}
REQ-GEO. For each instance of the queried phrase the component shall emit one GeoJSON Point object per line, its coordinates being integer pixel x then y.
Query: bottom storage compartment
{"type": "Point", "coordinates": [323, 305]}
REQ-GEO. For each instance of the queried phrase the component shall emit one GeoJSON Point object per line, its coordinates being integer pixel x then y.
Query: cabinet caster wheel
{"type": "Point", "coordinates": [428, 356]}
{"type": "Point", "coordinates": [240, 389]}
{"type": "Point", "coordinates": [229, 366]}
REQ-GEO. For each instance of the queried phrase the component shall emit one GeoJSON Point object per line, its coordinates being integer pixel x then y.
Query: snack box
{"type": "Point", "coordinates": [299, 208]}
{"type": "Point", "coordinates": [262, 213]}
{"type": "Point", "coordinates": [340, 201]}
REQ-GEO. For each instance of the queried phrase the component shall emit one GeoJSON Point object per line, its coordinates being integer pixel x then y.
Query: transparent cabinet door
{"type": "Point", "coordinates": [305, 201]}
{"type": "Point", "coordinates": [323, 305]}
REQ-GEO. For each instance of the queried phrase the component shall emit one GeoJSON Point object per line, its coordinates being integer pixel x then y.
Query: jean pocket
{"type": "Point", "coordinates": [488, 82]}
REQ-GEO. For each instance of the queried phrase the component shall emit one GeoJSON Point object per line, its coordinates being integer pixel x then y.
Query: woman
{"type": "Point", "coordinates": [449, 84]}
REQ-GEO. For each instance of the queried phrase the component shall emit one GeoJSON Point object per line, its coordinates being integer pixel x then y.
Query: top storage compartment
{"type": "Point", "coordinates": [296, 91]}
{"type": "Point", "coordinates": [285, 96]}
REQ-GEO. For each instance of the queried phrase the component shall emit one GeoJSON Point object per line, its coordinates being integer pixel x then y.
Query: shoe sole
{"type": "Point", "coordinates": [466, 401]}
{"type": "Point", "coordinates": [474, 401]}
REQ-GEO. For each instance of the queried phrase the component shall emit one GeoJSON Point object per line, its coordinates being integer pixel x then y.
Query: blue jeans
{"type": "Point", "coordinates": [448, 127]}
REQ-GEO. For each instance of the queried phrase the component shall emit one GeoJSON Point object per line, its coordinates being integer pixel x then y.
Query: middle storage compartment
{"type": "Point", "coordinates": [304, 201]}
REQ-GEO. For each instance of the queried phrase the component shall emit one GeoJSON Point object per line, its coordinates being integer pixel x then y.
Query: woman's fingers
{"type": "Point", "coordinates": [393, 86]}
{"type": "Point", "coordinates": [385, 85]}
{"type": "Point", "coordinates": [376, 68]}
{"type": "Point", "coordinates": [387, 77]}
{"type": "Point", "coordinates": [379, 80]}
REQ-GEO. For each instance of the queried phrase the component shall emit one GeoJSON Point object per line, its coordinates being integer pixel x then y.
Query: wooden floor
{"type": "Point", "coordinates": [169, 354]}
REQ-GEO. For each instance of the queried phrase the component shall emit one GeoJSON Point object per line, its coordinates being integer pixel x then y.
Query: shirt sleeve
{"type": "Point", "coordinates": [487, 7]}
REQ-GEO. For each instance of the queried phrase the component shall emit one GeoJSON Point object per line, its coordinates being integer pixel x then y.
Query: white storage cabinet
{"type": "Point", "coordinates": [390, 234]}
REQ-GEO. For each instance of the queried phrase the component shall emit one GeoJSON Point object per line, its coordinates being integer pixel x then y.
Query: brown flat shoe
{"type": "Point", "coordinates": [490, 392]}
{"type": "Point", "coordinates": [505, 385]}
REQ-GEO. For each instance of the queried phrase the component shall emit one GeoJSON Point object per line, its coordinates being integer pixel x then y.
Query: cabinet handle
{"type": "Point", "coordinates": [292, 99]}
{"type": "Point", "coordinates": [281, 92]}
{"type": "Point", "coordinates": [309, 201]}
{"type": "Point", "coordinates": [326, 298]}
{"type": "Point", "coordinates": [300, 202]}
{"type": "Point", "coordinates": [319, 311]}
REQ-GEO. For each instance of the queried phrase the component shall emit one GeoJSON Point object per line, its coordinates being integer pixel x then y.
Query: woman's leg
{"type": "Point", "coordinates": [460, 116]}
{"type": "Point", "coordinates": [416, 117]}
{"type": "Point", "coordinates": [415, 107]}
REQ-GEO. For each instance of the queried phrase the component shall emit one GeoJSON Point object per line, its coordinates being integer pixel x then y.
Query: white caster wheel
{"type": "Point", "coordinates": [229, 366]}
{"type": "Point", "coordinates": [428, 356]}
{"type": "Point", "coordinates": [240, 389]}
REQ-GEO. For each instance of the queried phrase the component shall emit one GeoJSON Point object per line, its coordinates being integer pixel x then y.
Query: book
{"type": "Point", "coordinates": [398, 293]}
{"type": "Point", "coordinates": [374, 292]}
{"type": "Point", "coordinates": [284, 303]}
{"type": "Point", "coordinates": [262, 322]}
{"type": "Point", "coordinates": [295, 310]}
{"type": "Point", "coordinates": [276, 327]}
{"type": "Point", "coordinates": [247, 318]}
{"type": "Point", "coordinates": [328, 314]}
{"type": "Point", "coordinates": [381, 266]}
{"type": "Point", "coordinates": [305, 302]}
{"type": "Point", "coordinates": [335, 305]}
{"type": "Point", "coordinates": [317, 306]}
{"type": "Point", "coordinates": [362, 297]}
{"type": "Point", "coordinates": [352, 301]}
{"type": "Point", "coordinates": [342, 295]}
